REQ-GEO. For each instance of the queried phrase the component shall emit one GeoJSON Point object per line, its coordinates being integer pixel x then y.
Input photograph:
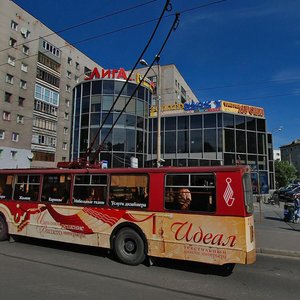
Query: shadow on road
{"type": "Point", "coordinates": [274, 218]}
{"type": "Point", "coordinates": [292, 228]}
{"type": "Point", "coordinates": [188, 266]}
{"type": "Point", "coordinates": [195, 267]}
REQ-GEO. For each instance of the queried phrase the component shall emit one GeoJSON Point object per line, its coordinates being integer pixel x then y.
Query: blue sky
{"type": "Point", "coordinates": [245, 51]}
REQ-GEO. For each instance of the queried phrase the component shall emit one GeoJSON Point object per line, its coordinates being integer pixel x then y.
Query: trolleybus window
{"type": "Point", "coordinates": [195, 192]}
{"type": "Point", "coordinates": [27, 187]}
{"type": "Point", "coordinates": [248, 192]}
{"type": "Point", "coordinates": [129, 191]}
{"type": "Point", "coordinates": [6, 182]}
{"type": "Point", "coordinates": [90, 189]}
{"type": "Point", "coordinates": [56, 188]}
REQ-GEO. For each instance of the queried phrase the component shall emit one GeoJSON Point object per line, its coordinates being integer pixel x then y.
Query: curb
{"type": "Point", "coordinates": [287, 253]}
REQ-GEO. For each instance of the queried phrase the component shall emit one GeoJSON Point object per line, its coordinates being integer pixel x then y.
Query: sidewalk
{"type": "Point", "coordinates": [273, 235]}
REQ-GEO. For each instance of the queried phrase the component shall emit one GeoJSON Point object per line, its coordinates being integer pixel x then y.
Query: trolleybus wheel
{"type": "Point", "coordinates": [129, 247]}
{"type": "Point", "coordinates": [3, 229]}
{"type": "Point", "coordinates": [227, 269]}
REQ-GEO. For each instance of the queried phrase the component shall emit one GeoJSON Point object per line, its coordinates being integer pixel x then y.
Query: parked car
{"type": "Point", "coordinates": [282, 191]}
{"type": "Point", "coordinates": [289, 196]}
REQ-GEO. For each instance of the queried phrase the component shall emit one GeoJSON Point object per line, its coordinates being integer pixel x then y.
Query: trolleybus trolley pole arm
{"type": "Point", "coordinates": [83, 161]}
{"type": "Point", "coordinates": [173, 28]}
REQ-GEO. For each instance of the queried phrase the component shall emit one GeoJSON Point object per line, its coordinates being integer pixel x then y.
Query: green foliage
{"type": "Point", "coordinates": [284, 173]}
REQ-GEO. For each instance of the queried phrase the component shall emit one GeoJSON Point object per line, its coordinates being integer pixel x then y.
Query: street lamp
{"type": "Point", "coordinates": [144, 63]}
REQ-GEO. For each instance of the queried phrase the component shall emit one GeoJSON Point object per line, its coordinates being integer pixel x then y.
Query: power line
{"type": "Point", "coordinates": [167, 7]}
{"type": "Point", "coordinates": [268, 96]}
{"type": "Point", "coordinates": [201, 6]}
{"type": "Point", "coordinates": [85, 23]}
{"type": "Point", "coordinates": [87, 39]}
{"type": "Point", "coordinates": [119, 30]}
{"type": "Point", "coordinates": [249, 83]}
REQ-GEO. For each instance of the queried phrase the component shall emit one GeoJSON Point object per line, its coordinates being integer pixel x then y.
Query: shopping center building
{"type": "Point", "coordinates": [193, 133]}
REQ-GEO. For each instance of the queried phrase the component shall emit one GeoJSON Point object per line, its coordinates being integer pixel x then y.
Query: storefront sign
{"type": "Point", "coordinates": [110, 74]}
{"type": "Point", "coordinates": [242, 109]}
{"type": "Point", "coordinates": [203, 106]}
{"type": "Point", "coordinates": [167, 108]}
{"type": "Point", "coordinates": [119, 74]}
{"type": "Point", "coordinates": [146, 82]}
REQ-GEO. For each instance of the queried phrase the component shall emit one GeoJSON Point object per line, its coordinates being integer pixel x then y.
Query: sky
{"type": "Point", "coordinates": [245, 51]}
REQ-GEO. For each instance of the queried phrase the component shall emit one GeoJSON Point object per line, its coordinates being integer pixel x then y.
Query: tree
{"type": "Point", "coordinates": [284, 173]}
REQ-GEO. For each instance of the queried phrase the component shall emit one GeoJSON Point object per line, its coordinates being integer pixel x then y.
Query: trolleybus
{"type": "Point", "coordinates": [201, 214]}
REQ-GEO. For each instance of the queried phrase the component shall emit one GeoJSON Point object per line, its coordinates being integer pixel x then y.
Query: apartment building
{"type": "Point", "coordinates": [38, 70]}
{"type": "Point", "coordinates": [291, 153]}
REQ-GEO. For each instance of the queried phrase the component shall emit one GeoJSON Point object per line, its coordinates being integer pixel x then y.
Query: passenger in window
{"type": "Point", "coordinates": [91, 195]}
{"type": "Point", "coordinates": [2, 195]}
{"type": "Point", "coordinates": [184, 199]}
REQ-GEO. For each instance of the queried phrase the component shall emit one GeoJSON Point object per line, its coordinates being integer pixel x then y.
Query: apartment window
{"type": "Point", "coordinates": [12, 42]}
{"type": "Point", "coordinates": [25, 50]}
{"type": "Point", "coordinates": [49, 47]}
{"type": "Point", "coordinates": [68, 88]}
{"type": "Point", "coordinates": [45, 76]}
{"type": "Point", "coordinates": [20, 119]}
{"type": "Point", "coordinates": [15, 137]}
{"type": "Point", "coordinates": [67, 101]}
{"type": "Point", "coordinates": [44, 107]}
{"type": "Point", "coordinates": [14, 25]}
{"type": "Point", "coordinates": [69, 61]}
{"type": "Point", "coordinates": [23, 84]}
{"type": "Point", "coordinates": [44, 140]}
{"type": "Point", "coordinates": [2, 134]}
{"type": "Point", "coordinates": [11, 60]}
{"type": "Point", "coordinates": [48, 62]}
{"type": "Point", "coordinates": [21, 101]}
{"type": "Point", "coordinates": [66, 116]}
{"type": "Point", "coordinates": [76, 78]}
{"type": "Point", "coordinates": [13, 154]}
{"type": "Point", "coordinates": [66, 130]}
{"type": "Point", "coordinates": [6, 116]}
{"type": "Point", "coordinates": [47, 95]}
{"type": "Point", "coordinates": [24, 67]}
{"type": "Point", "coordinates": [65, 146]}
{"type": "Point", "coordinates": [77, 65]}
{"type": "Point", "coordinates": [69, 74]}
{"type": "Point", "coordinates": [7, 97]}
{"type": "Point", "coordinates": [9, 79]}
{"type": "Point", "coordinates": [45, 124]}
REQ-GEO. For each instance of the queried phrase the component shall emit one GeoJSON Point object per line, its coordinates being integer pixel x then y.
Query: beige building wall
{"type": "Point", "coordinates": [21, 39]}
{"type": "Point", "coordinates": [172, 88]}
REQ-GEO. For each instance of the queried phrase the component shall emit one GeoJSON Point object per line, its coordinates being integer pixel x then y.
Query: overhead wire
{"type": "Point", "coordinates": [137, 25]}
{"type": "Point", "coordinates": [121, 29]}
{"type": "Point", "coordinates": [167, 7]}
{"type": "Point", "coordinates": [173, 28]}
{"type": "Point", "coordinates": [85, 23]}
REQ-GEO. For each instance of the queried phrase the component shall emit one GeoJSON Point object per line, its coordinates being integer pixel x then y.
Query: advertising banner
{"type": "Point", "coordinates": [242, 109]}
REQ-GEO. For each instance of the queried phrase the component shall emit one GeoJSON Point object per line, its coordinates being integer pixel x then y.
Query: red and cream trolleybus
{"type": "Point", "coordinates": [202, 214]}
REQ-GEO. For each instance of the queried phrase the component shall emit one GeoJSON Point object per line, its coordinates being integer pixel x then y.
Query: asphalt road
{"type": "Point", "coordinates": [32, 269]}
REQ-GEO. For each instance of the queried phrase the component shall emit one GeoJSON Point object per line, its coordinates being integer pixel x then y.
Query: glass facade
{"type": "Point", "coordinates": [218, 138]}
{"type": "Point", "coordinates": [128, 138]}
{"type": "Point", "coordinates": [187, 139]}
